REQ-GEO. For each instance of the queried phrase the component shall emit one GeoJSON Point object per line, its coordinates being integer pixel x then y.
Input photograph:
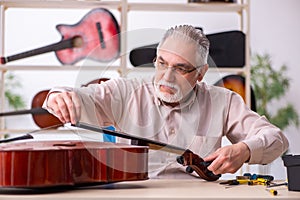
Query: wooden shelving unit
{"type": "Point", "coordinates": [124, 7]}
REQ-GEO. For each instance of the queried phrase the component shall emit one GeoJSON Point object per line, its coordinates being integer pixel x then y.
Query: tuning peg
{"type": "Point", "coordinates": [180, 159]}
{"type": "Point", "coordinates": [189, 169]}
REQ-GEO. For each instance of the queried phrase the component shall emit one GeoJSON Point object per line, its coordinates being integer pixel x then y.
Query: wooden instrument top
{"type": "Point", "coordinates": [39, 164]}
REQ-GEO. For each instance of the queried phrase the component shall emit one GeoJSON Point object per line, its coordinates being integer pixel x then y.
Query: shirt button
{"type": "Point", "coordinates": [172, 131]}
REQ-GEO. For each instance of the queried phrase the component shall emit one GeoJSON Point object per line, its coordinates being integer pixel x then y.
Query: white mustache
{"type": "Point", "coordinates": [168, 84]}
{"type": "Point", "coordinates": [168, 97]}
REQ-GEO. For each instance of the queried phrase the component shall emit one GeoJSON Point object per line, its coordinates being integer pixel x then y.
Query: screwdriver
{"type": "Point", "coordinates": [273, 192]}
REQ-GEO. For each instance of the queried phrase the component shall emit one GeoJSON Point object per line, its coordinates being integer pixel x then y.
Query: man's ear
{"type": "Point", "coordinates": [202, 72]}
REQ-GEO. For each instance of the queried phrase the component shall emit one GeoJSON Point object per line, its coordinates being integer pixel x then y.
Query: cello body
{"type": "Point", "coordinates": [40, 164]}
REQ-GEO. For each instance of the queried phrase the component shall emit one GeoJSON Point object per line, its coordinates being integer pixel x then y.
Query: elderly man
{"type": "Point", "coordinates": [177, 108]}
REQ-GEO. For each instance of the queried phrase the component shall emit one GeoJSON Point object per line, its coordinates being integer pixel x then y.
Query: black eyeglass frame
{"type": "Point", "coordinates": [174, 68]}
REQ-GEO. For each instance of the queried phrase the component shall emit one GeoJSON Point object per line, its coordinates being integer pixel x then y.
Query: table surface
{"type": "Point", "coordinates": [154, 189]}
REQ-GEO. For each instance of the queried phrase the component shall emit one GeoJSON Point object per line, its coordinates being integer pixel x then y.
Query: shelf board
{"type": "Point", "coordinates": [111, 68]}
{"type": "Point", "coordinates": [80, 4]}
{"type": "Point", "coordinates": [49, 67]}
{"type": "Point", "coordinates": [203, 7]}
{"type": "Point", "coordinates": [227, 69]}
{"type": "Point", "coordinates": [210, 69]}
{"type": "Point", "coordinates": [114, 4]}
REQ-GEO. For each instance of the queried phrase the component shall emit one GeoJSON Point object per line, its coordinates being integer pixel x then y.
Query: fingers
{"type": "Point", "coordinates": [77, 105]}
{"type": "Point", "coordinates": [65, 105]}
{"type": "Point", "coordinates": [222, 165]}
{"type": "Point", "coordinates": [216, 165]}
{"type": "Point", "coordinates": [227, 159]}
{"type": "Point", "coordinates": [211, 157]}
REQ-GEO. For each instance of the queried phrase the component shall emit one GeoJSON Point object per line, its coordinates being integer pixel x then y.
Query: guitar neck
{"type": "Point", "coordinates": [64, 44]}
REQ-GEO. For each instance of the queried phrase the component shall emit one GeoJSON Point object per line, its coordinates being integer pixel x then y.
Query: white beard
{"type": "Point", "coordinates": [169, 98]}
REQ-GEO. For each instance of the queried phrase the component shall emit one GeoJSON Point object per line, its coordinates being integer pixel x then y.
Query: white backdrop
{"type": "Point", "coordinates": [273, 25]}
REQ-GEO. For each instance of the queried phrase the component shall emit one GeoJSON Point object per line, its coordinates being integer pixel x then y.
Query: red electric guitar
{"type": "Point", "coordinates": [95, 36]}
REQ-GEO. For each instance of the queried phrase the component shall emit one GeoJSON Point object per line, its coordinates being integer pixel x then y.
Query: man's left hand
{"type": "Point", "coordinates": [228, 159]}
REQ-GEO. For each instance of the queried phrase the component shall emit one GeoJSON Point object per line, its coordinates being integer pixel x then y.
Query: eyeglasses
{"type": "Point", "coordinates": [180, 69]}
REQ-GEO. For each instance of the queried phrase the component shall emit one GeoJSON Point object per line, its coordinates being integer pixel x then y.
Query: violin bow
{"type": "Point", "coordinates": [186, 158]}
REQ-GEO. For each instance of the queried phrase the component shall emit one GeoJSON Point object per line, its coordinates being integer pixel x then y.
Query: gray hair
{"type": "Point", "coordinates": [190, 34]}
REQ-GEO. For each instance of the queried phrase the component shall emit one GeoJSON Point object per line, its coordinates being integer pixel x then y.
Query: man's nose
{"type": "Point", "coordinates": [170, 74]}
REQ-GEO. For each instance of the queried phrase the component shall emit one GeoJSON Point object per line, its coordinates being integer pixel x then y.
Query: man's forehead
{"type": "Point", "coordinates": [182, 48]}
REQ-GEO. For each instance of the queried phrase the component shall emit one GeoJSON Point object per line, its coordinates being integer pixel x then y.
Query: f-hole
{"type": "Point", "coordinates": [68, 144]}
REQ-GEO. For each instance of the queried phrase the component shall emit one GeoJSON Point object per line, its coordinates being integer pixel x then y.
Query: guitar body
{"type": "Point", "coordinates": [236, 83]}
{"type": "Point", "coordinates": [40, 164]}
{"type": "Point", "coordinates": [99, 32]}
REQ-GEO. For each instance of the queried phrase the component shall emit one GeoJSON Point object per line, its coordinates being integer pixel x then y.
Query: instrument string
{"type": "Point", "coordinates": [77, 132]}
{"type": "Point", "coordinates": [28, 135]}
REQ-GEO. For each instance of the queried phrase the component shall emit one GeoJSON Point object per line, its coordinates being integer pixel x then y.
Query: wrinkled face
{"type": "Point", "coordinates": [176, 74]}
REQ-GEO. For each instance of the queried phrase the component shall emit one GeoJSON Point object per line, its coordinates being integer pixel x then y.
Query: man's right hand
{"type": "Point", "coordinates": [65, 105]}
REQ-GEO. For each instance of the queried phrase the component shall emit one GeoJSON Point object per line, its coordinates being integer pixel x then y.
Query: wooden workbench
{"type": "Point", "coordinates": [153, 189]}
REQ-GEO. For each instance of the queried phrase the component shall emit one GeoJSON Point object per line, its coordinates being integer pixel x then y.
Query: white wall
{"type": "Point", "coordinates": [274, 30]}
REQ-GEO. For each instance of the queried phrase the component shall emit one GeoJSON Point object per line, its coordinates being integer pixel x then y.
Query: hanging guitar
{"type": "Point", "coordinates": [95, 36]}
{"type": "Point", "coordinates": [236, 83]}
